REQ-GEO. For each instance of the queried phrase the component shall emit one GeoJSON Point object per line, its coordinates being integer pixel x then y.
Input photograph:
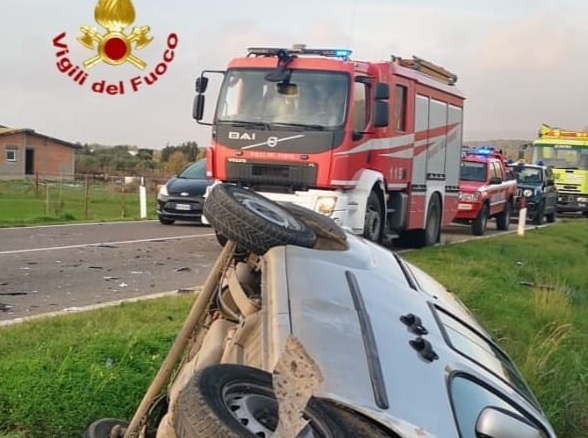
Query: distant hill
{"type": "Point", "coordinates": [510, 148]}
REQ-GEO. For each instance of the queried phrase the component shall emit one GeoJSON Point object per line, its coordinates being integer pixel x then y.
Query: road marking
{"type": "Point", "coordinates": [32, 227]}
{"type": "Point", "coordinates": [103, 244]}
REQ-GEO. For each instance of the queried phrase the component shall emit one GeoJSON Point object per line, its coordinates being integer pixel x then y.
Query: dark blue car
{"type": "Point", "coordinates": [536, 186]}
{"type": "Point", "coordinates": [182, 197]}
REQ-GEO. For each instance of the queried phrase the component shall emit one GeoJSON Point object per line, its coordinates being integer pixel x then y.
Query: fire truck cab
{"type": "Point", "coordinates": [374, 145]}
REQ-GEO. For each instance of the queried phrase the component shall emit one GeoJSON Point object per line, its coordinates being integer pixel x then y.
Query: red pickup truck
{"type": "Point", "coordinates": [487, 189]}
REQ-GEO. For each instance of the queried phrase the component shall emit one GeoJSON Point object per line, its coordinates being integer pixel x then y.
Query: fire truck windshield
{"type": "Point", "coordinates": [562, 156]}
{"type": "Point", "coordinates": [313, 99]}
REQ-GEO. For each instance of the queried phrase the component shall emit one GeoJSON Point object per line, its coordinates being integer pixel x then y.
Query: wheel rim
{"type": "Point", "coordinates": [268, 211]}
{"type": "Point", "coordinates": [256, 409]}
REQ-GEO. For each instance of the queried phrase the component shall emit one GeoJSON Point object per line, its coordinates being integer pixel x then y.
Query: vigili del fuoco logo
{"type": "Point", "coordinates": [115, 46]}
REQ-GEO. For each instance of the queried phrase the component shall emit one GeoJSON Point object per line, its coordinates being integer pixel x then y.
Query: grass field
{"type": "Point", "coordinates": [58, 375]}
{"type": "Point", "coordinates": [25, 203]}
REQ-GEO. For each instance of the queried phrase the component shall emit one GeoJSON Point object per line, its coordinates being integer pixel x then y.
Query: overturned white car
{"type": "Point", "coordinates": [302, 330]}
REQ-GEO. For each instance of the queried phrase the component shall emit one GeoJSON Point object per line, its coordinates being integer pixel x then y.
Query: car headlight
{"type": "Point", "coordinates": [163, 190]}
{"type": "Point", "coordinates": [469, 197]}
{"type": "Point", "coordinates": [583, 200]}
{"type": "Point", "coordinates": [326, 204]}
{"type": "Point", "coordinates": [528, 193]}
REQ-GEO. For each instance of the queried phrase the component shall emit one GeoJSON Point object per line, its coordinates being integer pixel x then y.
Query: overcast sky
{"type": "Point", "coordinates": [520, 63]}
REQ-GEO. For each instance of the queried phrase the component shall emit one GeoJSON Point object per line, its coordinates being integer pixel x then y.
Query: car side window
{"type": "Point", "coordinates": [471, 398]}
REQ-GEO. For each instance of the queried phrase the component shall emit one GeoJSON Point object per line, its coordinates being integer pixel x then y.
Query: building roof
{"type": "Point", "coordinates": [4, 130]}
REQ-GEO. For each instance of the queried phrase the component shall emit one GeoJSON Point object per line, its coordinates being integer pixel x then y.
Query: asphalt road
{"type": "Point", "coordinates": [64, 268]}
{"type": "Point", "coordinates": [56, 268]}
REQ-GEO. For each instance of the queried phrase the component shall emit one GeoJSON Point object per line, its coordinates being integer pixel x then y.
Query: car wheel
{"type": "Point", "coordinates": [166, 221]}
{"type": "Point", "coordinates": [538, 219]}
{"type": "Point", "coordinates": [105, 428]}
{"type": "Point", "coordinates": [234, 401]}
{"type": "Point", "coordinates": [479, 224]}
{"type": "Point", "coordinates": [503, 218]}
{"type": "Point", "coordinates": [323, 226]}
{"type": "Point", "coordinates": [253, 221]}
{"type": "Point", "coordinates": [373, 223]}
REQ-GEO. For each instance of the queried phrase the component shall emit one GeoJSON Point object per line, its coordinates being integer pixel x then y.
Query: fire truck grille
{"type": "Point", "coordinates": [297, 176]}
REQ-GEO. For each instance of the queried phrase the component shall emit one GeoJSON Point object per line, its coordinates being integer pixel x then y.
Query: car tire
{"type": "Point", "coordinates": [165, 221]}
{"type": "Point", "coordinates": [235, 401]}
{"type": "Point", "coordinates": [479, 224]}
{"type": "Point", "coordinates": [503, 218]}
{"type": "Point", "coordinates": [323, 226]}
{"type": "Point", "coordinates": [538, 219]}
{"type": "Point", "coordinates": [253, 221]}
{"type": "Point", "coordinates": [102, 428]}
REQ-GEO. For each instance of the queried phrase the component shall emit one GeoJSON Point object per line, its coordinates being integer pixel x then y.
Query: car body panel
{"type": "Point", "coordinates": [313, 292]}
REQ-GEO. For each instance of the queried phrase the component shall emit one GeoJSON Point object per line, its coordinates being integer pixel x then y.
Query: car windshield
{"type": "Point", "coordinates": [195, 170]}
{"type": "Point", "coordinates": [472, 171]}
{"type": "Point", "coordinates": [528, 175]}
{"type": "Point", "coordinates": [317, 99]}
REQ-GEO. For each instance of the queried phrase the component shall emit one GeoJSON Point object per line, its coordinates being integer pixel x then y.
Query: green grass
{"type": "Point", "coordinates": [24, 203]}
{"type": "Point", "coordinates": [58, 375]}
{"type": "Point", "coordinates": [531, 292]}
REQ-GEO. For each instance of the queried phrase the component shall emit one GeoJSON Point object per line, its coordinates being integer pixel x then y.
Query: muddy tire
{"type": "Point", "coordinates": [374, 219]}
{"type": "Point", "coordinates": [235, 401]}
{"type": "Point", "coordinates": [479, 224]}
{"type": "Point", "coordinates": [503, 218]}
{"type": "Point", "coordinates": [254, 222]}
{"type": "Point", "coordinates": [102, 428]}
{"type": "Point", "coordinates": [323, 226]}
{"type": "Point", "coordinates": [432, 231]}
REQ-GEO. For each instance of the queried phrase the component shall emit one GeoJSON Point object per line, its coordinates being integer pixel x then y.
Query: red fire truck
{"type": "Point", "coordinates": [374, 145]}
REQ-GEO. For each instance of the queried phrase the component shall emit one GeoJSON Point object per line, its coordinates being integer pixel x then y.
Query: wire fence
{"type": "Point", "coordinates": [80, 197]}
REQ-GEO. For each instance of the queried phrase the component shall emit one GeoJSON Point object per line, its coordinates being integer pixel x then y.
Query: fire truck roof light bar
{"type": "Point", "coordinates": [299, 50]}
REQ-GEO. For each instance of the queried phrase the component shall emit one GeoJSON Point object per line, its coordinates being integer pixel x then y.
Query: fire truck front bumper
{"type": "Point", "coordinates": [572, 203]}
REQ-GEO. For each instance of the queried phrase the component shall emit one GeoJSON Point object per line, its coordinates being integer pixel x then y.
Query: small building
{"type": "Point", "coordinates": [26, 153]}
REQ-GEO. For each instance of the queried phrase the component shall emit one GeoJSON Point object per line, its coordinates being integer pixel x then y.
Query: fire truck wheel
{"type": "Point", "coordinates": [503, 218]}
{"type": "Point", "coordinates": [235, 401]}
{"type": "Point", "coordinates": [372, 228]}
{"type": "Point", "coordinates": [323, 226]}
{"type": "Point", "coordinates": [479, 224]}
{"type": "Point", "coordinates": [253, 221]}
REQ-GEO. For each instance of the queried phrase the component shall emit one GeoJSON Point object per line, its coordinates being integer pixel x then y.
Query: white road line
{"type": "Point", "coordinates": [101, 244]}
{"type": "Point", "coordinates": [32, 227]}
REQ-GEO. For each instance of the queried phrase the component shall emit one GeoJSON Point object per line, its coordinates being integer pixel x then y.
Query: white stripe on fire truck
{"type": "Point", "coordinates": [381, 143]}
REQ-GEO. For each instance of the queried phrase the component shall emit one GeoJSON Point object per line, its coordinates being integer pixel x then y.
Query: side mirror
{"type": "Point", "coordinates": [201, 84]}
{"type": "Point", "coordinates": [549, 182]}
{"type": "Point", "coordinates": [382, 91]}
{"type": "Point", "coordinates": [381, 114]}
{"type": "Point", "coordinates": [495, 180]}
{"type": "Point", "coordinates": [198, 108]}
{"type": "Point", "coordinates": [496, 423]}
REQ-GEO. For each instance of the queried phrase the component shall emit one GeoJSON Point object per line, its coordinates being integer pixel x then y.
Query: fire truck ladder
{"type": "Point", "coordinates": [426, 68]}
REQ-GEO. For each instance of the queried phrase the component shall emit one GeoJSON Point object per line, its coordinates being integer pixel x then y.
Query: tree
{"type": "Point", "coordinates": [176, 162]}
